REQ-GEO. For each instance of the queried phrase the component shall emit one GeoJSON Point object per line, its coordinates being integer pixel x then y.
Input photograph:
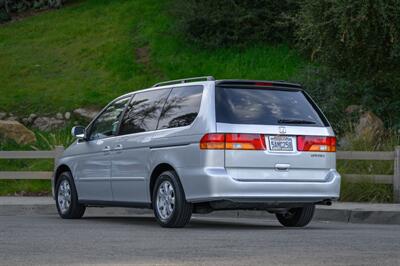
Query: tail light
{"type": "Point", "coordinates": [233, 142]}
{"type": "Point", "coordinates": [316, 143]}
{"type": "Point", "coordinates": [244, 142]}
{"type": "Point", "coordinates": [212, 142]}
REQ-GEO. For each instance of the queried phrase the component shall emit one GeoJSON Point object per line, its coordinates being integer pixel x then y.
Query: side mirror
{"type": "Point", "coordinates": [79, 132]}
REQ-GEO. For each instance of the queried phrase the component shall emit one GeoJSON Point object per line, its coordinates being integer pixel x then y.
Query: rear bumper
{"type": "Point", "coordinates": [214, 184]}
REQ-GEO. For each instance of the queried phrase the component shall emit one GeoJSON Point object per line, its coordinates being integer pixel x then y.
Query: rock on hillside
{"type": "Point", "coordinates": [48, 123]}
{"type": "Point", "coordinates": [17, 132]}
{"type": "Point", "coordinates": [86, 113]}
{"type": "Point", "coordinates": [369, 127]}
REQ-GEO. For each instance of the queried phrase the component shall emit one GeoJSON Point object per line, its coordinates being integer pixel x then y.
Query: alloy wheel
{"type": "Point", "coordinates": [165, 200]}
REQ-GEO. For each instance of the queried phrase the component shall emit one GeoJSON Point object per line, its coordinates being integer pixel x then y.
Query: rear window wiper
{"type": "Point", "coordinates": [295, 121]}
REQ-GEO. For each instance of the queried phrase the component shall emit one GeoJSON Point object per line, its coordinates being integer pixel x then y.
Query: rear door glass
{"type": "Point", "coordinates": [266, 107]}
{"type": "Point", "coordinates": [181, 108]}
{"type": "Point", "coordinates": [143, 111]}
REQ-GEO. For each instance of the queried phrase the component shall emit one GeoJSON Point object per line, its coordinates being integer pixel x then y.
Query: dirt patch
{"type": "Point", "coordinates": [143, 55]}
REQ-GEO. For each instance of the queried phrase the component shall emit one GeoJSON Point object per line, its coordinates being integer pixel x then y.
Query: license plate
{"type": "Point", "coordinates": [280, 143]}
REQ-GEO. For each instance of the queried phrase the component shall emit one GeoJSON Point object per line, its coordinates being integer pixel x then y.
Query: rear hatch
{"type": "Point", "coordinates": [273, 132]}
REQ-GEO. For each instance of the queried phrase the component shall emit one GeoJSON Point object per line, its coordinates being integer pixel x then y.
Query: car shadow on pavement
{"type": "Point", "coordinates": [198, 223]}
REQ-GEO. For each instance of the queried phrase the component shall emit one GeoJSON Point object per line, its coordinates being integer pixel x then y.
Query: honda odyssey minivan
{"type": "Point", "coordinates": [199, 145]}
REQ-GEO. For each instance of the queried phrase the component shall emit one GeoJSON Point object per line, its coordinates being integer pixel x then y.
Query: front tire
{"type": "Point", "coordinates": [296, 217]}
{"type": "Point", "coordinates": [66, 196]}
{"type": "Point", "coordinates": [169, 202]}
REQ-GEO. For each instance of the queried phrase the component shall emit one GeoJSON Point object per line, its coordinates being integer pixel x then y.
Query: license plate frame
{"type": "Point", "coordinates": [281, 143]}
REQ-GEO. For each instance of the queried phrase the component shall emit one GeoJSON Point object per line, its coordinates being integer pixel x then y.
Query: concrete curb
{"type": "Point", "coordinates": [323, 214]}
{"type": "Point", "coordinates": [359, 216]}
{"type": "Point", "coordinates": [339, 212]}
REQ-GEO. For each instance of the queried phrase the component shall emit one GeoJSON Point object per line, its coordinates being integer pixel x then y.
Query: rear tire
{"type": "Point", "coordinates": [296, 217]}
{"type": "Point", "coordinates": [169, 202]}
{"type": "Point", "coordinates": [66, 196]}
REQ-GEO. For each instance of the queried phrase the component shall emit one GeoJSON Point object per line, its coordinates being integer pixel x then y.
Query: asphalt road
{"type": "Point", "coordinates": [47, 239]}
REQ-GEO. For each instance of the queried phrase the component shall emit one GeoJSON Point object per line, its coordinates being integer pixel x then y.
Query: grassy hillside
{"type": "Point", "coordinates": [91, 51]}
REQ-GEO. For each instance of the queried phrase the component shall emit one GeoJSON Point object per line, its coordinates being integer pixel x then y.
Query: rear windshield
{"type": "Point", "coordinates": [266, 107]}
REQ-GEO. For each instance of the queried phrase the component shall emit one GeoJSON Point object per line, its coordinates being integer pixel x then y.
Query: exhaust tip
{"type": "Point", "coordinates": [326, 202]}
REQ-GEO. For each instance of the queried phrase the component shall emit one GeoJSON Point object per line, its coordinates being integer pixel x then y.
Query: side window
{"type": "Point", "coordinates": [106, 125]}
{"type": "Point", "coordinates": [143, 112]}
{"type": "Point", "coordinates": [181, 108]}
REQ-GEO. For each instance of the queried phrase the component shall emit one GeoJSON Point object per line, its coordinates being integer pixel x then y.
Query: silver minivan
{"type": "Point", "coordinates": [198, 145]}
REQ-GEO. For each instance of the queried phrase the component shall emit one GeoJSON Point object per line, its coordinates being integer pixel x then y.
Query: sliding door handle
{"type": "Point", "coordinates": [118, 147]}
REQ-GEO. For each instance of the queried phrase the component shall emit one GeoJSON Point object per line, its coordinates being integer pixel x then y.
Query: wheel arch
{"type": "Point", "coordinates": [162, 167]}
{"type": "Point", "coordinates": [60, 169]}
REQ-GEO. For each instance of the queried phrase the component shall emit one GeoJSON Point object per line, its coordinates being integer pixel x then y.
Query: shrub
{"type": "Point", "coordinates": [358, 42]}
{"type": "Point", "coordinates": [334, 92]}
{"type": "Point", "coordinates": [330, 91]}
{"type": "Point", "coordinates": [49, 141]}
{"type": "Point", "coordinates": [4, 15]}
{"type": "Point", "coordinates": [359, 37]}
{"type": "Point", "coordinates": [8, 7]}
{"type": "Point", "coordinates": [226, 22]}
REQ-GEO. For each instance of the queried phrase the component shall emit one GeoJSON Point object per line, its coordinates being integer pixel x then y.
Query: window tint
{"type": "Point", "coordinates": [265, 107]}
{"type": "Point", "coordinates": [143, 112]}
{"type": "Point", "coordinates": [106, 124]}
{"type": "Point", "coordinates": [181, 108]}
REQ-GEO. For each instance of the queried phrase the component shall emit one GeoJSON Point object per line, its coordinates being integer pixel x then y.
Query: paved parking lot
{"type": "Point", "coordinates": [137, 239]}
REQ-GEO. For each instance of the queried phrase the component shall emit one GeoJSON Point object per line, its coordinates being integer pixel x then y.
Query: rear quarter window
{"type": "Point", "coordinates": [181, 107]}
{"type": "Point", "coordinates": [263, 106]}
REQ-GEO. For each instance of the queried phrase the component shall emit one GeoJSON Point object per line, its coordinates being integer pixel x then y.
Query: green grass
{"type": "Point", "coordinates": [366, 192]}
{"type": "Point", "coordinates": [92, 51]}
{"type": "Point", "coordinates": [25, 188]}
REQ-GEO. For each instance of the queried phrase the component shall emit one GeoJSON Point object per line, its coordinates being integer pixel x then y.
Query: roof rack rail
{"type": "Point", "coordinates": [257, 83]}
{"type": "Point", "coordinates": [177, 81]}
